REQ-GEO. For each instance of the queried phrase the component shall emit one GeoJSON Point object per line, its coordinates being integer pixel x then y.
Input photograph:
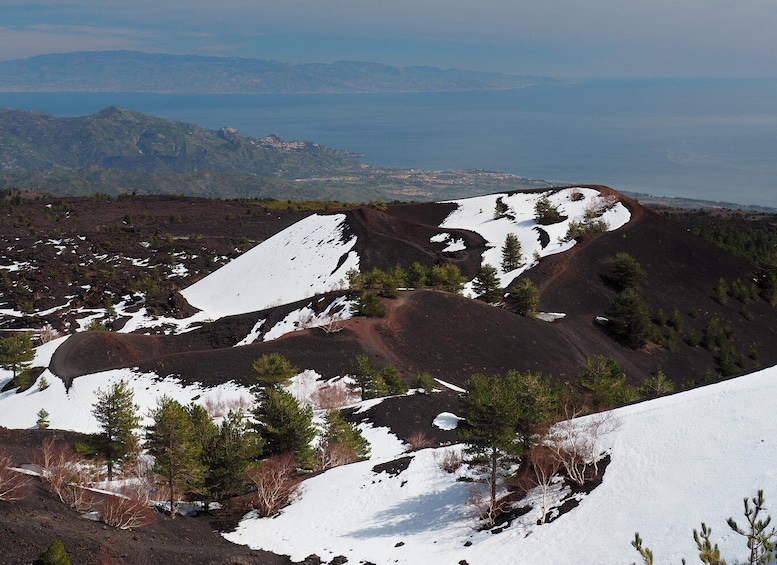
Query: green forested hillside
{"type": "Point", "coordinates": [116, 151]}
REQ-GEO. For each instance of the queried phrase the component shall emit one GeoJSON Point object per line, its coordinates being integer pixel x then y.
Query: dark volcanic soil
{"type": "Point", "coordinates": [29, 525]}
{"type": "Point", "coordinates": [70, 244]}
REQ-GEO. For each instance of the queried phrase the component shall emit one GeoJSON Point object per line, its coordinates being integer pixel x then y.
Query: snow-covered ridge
{"type": "Point", "coordinates": [307, 258]}
{"type": "Point", "coordinates": [477, 214]}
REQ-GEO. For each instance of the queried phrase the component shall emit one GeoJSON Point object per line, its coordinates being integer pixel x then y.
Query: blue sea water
{"type": "Point", "coordinates": [694, 138]}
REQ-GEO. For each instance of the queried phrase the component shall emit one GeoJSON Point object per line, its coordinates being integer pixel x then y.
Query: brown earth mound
{"type": "Point", "coordinates": [452, 337]}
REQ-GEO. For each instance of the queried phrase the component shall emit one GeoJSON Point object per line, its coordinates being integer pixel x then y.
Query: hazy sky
{"type": "Point", "coordinates": [576, 38]}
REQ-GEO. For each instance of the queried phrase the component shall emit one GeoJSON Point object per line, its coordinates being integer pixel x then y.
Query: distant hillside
{"type": "Point", "coordinates": [129, 71]}
{"type": "Point", "coordinates": [117, 151]}
{"type": "Point", "coordinates": [115, 138]}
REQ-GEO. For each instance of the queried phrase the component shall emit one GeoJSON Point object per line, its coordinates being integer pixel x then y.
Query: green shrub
{"type": "Point", "coordinates": [546, 213]}
{"type": "Point", "coordinates": [525, 297]}
{"type": "Point", "coordinates": [486, 284]}
{"type": "Point", "coordinates": [425, 382]}
{"type": "Point", "coordinates": [55, 554]}
{"type": "Point", "coordinates": [676, 319]}
{"type": "Point", "coordinates": [604, 380]}
{"type": "Point", "coordinates": [660, 317]}
{"type": "Point", "coordinates": [43, 419]}
{"type": "Point", "coordinates": [369, 305]}
{"type": "Point", "coordinates": [721, 292]}
{"type": "Point", "coordinates": [576, 229]}
{"type": "Point", "coordinates": [394, 383]}
{"type": "Point", "coordinates": [630, 318]}
{"type": "Point", "coordinates": [713, 335]}
{"type": "Point", "coordinates": [626, 271]}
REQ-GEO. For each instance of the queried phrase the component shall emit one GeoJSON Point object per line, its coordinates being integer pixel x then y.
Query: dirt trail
{"type": "Point", "coordinates": [376, 334]}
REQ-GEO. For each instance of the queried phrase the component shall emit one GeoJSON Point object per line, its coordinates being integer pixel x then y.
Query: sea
{"type": "Point", "coordinates": [704, 139]}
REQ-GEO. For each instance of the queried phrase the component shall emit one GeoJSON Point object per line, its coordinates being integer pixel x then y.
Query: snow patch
{"type": "Point", "coordinates": [447, 421]}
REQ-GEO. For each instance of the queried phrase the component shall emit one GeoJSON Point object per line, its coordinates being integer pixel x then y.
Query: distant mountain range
{"type": "Point", "coordinates": [131, 71]}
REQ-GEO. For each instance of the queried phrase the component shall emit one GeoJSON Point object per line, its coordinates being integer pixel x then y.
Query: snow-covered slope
{"type": "Point", "coordinates": [307, 258]}
{"type": "Point", "coordinates": [675, 462]}
{"type": "Point", "coordinates": [477, 214]}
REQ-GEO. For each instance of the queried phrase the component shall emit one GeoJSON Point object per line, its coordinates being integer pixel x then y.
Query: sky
{"type": "Point", "coordinates": [561, 38]}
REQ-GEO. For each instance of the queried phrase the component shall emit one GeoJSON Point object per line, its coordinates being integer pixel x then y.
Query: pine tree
{"type": "Point", "coordinates": [273, 368]}
{"type": "Point", "coordinates": [226, 456]}
{"type": "Point", "coordinates": [546, 213]}
{"type": "Point", "coordinates": [43, 419]}
{"type": "Point", "coordinates": [657, 385]}
{"type": "Point", "coordinates": [16, 352]}
{"type": "Point", "coordinates": [369, 380]}
{"type": "Point", "coordinates": [170, 439]}
{"type": "Point", "coordinates": [117, 415]}
{"type": "Point", "coordinates": [486, 284]}
{"type": "Point", "coordinates": [204, 432]}
{"type": "Point", "coordinates": [511, 253]}
{"type": "Point", "coordinates": [525, 298]}
{"type": "Point", "coordinates": [342, 438]}
{"type": "Point", "coordinates": [416, 276]}
{"type": "Point", "coordinates": [630, 318]}
{"type": "Point", "coordinates": [284, 425]}
{"type": "Point", "coordinates": [760, 538]}
{"type": "Point", "coordinates": [393, 382]}
{"type": "Point", "coordinates": [626, 271]}
{"type": "Point", "coordinates": [603, 379]}
{"type": "Point", "coordinates": [501, 415]}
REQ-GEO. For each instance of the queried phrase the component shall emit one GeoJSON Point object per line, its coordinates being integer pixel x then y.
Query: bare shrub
{"type": "Point", "coordinates": [479, 502]}
{"type": "Point", "coordinates": [419, 440]}
{"type": "Point", "coordinates": [334, 454]}
{"type": "Point", "coordinates": [218, 407]}
{"type": "Point", "coordinates": [333, 395]}
{"type": "Point", "coordinates": [276, 483]}
{"type": "Point", "coordinates": [576, 447]}
{"type": "Point", "coordinates": [545, 465]}
{"type": "Point", "coordinates": [126, 510]}
{"type": "Point", "coordinates": [575, 195]}
{"type": "Point", "coordinates": [67, 474]}
{"type": "Point", "coordinates": [450, 461]}
{"type": "Point", "coordinates": [305, 387]}
{"type": "Point", "coordinates": [47, 333]}
{"type": "Point", "coordinates": [333, 325]}
{"type": "Point", "coordinates": [14, 485]}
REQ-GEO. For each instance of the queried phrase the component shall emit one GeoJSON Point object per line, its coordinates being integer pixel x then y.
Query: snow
{"type": "Point", "coordinates": [477, 214]}
{"type": "Point", "coordinates": [307, 258]}
{"type": "Point", "coordinates": [446, 421]}
{"type": "Point", "coordinates": [676, 461]}
{"type": "Point", "coordinates": [550, 316]}
{"type": "Point", "coordinates": [72, 410]}
{"type": "Point", "coordinates": [304, 318]}
{"type": "Point", "coordinates": [253, 335]}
